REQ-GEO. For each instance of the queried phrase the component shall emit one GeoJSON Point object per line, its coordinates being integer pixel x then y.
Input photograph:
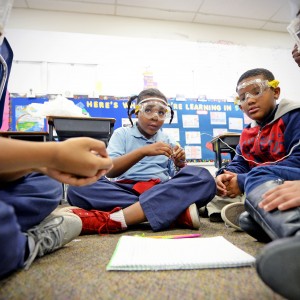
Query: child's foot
{"type": "Point", "coordinates": [54, 232]}
{"type": "Point", "coordinates": [230, 214]}
{"type": "Point", "coordinates": [96, 221]}
{"type": "Point", "coordinates": [189, 218]}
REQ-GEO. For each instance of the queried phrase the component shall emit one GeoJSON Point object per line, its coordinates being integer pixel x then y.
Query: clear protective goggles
{"type": "Point", "coordinates": [294, 31]}
{"type": "Point", "coordinates": [5, 8]}
{"type": "Point", "coordinates": [253, 89]}
{"type": "Point", "coordinates": [151, 107]}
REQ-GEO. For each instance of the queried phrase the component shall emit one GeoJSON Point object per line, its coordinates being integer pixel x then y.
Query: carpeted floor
{"type": "Point", "coordinates": [78, 272]}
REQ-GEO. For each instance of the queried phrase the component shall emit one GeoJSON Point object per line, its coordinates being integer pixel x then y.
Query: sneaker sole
{"type": "Point", "coordinates": [194, 213]}
{"type": "Point", "coordinates": [230, 214]}
{"type": "Point", "coordinates": [64, 210]}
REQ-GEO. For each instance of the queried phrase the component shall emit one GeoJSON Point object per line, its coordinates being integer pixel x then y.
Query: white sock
{"type": "Point", "coordinates": [119, 217]}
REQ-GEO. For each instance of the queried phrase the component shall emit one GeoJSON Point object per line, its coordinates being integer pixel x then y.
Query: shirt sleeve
{"type": "Point", "coordinates": [291, 139]}
{"type": "Point", "coordinates": [117, 142]}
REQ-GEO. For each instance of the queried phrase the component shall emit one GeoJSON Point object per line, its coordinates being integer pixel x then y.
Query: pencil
{"type": "Point", "coordinates": [176, 236]}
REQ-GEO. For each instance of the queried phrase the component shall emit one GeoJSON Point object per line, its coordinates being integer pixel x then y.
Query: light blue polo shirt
{"type": "Point", "coordinates": [127, 139]}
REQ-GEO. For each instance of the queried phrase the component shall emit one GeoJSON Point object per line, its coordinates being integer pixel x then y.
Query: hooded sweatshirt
{"type": "Point", "coordinates": [277, 139]}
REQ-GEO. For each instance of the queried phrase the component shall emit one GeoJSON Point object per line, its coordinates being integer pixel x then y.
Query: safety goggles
{"type": "Point", "coordinates": [254, 89]}
{"type": "Point", "coordinates": [151, 107]}
{"type": "Point", "coordinates": [294, 30]}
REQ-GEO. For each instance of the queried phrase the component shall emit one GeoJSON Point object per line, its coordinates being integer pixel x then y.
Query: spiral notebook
{"type": "Point", "coordinates": [135, 253]}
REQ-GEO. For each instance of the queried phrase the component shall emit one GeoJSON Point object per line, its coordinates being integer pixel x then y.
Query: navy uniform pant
{"type": "Point", "coordinates": [162, 203]}
{"type": "Point", "coordinates": [23, 204]}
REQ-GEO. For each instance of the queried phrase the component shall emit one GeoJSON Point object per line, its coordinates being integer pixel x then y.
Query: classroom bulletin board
{"type": "Point", "coordinates": [194, 125]}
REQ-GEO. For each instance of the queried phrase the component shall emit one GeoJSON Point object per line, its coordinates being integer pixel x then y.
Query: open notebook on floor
{"type": "Point", "coordinates": [135, 253]}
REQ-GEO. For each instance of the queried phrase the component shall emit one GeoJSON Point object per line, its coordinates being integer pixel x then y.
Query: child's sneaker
{"type": "Point", "coordinates": [96, 221]}
{"type": "Point", "coordinates": [231, 213]}
{"type": "Point", "coordinates": [189, 218]}
{"type": "Point", "coordinates": [54, 232]}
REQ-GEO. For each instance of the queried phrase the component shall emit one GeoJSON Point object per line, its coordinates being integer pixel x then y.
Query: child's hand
{"type": "Point", "coordinates": [179, 156]}
{"type": "Point", "coordinates": [78, 161]}
{"type": "Point", "coordinates": [70, 178]}
{"type": "Point", "coordinates": [282, 197]}
{"type": "Point", "coordinates": [232, 186]}
{"type": "Point", "coordinates": [158, 148]}
{"type": "Point", "coordinates": [222, 181]}
{"type": "Point", "coordinates": [83, 157]}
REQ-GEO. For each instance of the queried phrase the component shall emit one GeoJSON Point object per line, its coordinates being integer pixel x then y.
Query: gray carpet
{"type": "Point", "coordinates": [78, 272]}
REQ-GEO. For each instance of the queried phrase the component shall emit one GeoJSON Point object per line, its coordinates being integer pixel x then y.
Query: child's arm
{"type": "Point", "coordinates": [77, 161]}
{"type": "Point", "coordinates": [291, 140]}
{"type": "Point", "coordinates": [126, 161]}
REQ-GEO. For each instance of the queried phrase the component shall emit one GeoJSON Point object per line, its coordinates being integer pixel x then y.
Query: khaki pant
{"type": "Point", "coordinates": [217, 203]}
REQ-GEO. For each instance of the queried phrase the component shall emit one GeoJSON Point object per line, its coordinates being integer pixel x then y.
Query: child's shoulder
{"type": "Point", "coordinates": [287, 105]}
{"type": "Point", "coordinates": [286, 108]}
{"type": "Point", "coordinates": [123, 129]}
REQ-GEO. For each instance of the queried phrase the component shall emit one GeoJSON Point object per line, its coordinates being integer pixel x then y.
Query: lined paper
{"type": "Point", "coordinates": [134, 253]}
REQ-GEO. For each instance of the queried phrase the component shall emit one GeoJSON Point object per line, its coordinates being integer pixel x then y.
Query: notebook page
{"type": "Point", "coordinates": [138, 253]}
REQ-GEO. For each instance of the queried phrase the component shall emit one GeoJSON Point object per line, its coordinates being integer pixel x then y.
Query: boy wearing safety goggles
{"type": "Point", "coordinates": [272, 139]}
{"type": "Point", "coordinates": [146, 186]}
{"type": "Point", "coordinates": [282, 202]}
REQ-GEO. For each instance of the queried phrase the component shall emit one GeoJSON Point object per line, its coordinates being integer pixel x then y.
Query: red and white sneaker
{"type": "Point", "coordinates": [189, 218]}
{"type": "Point", "coordinates": [96, 221]}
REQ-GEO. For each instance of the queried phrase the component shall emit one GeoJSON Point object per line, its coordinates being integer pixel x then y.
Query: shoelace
{"type": "Point", "coordinates": [102, 217]}
{"type": "Point", "coordinates": [47, 237]}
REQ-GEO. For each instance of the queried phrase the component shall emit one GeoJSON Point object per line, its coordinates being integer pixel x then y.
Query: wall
{"type": "Point", "coordinates": [87, 54]}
